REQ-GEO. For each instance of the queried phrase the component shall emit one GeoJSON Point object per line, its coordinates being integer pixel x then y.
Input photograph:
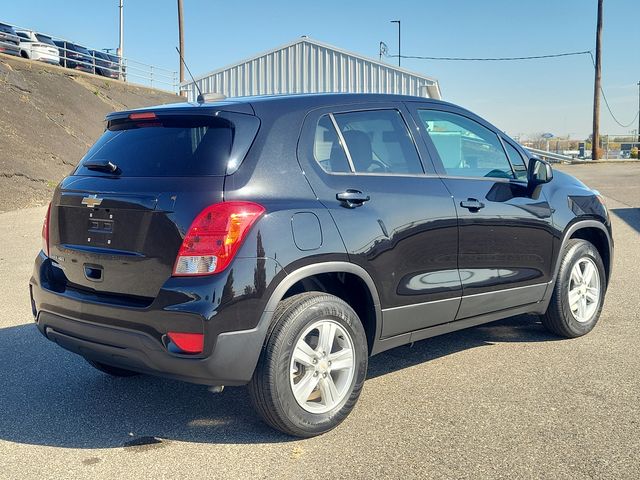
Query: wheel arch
{"type": "Point", "coordinates": [593, 231]}
{"type": "Point", "coordinates": [598, 235]}
{"type": "Point", "coordinates": [345, 280]}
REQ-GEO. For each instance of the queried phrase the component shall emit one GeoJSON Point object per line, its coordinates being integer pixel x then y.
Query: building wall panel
{"type": "Point", "coordinates": [306, 67]}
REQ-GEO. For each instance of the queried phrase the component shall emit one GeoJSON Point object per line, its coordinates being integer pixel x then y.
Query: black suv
{"type": "Point", "coordinates": [74, 56]}
{"type": "Point", "coordinates": [281, 241]}
{"type": "Point", "coordinates": [106, 64]}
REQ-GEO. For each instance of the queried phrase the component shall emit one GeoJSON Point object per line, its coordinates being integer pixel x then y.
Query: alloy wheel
{"type": "Point", "coordinates": [322, 366]}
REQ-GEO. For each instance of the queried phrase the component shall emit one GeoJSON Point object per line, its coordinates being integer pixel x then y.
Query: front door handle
{"type": "Point", "coordinates": [352, 198]}
{"type": "Point", "coordinates": [472, 204]}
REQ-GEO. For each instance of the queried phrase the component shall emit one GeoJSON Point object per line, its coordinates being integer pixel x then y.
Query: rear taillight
{"type": "Point", "coordinates": [214, 237]}
{"type": "Point", "coordinates": [45, 232]}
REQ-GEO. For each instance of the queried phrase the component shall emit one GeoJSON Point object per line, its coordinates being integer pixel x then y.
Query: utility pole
{"type": "Point", "coordinates": [596, 87]}
{"type": "Point", "coordinates": [638, 112]}
{"type": "Point", "coordinates": [120, 50]}
{"type": "Point", "coordinates": [399, 45]}
{"type": "Point", "coordinates": [181, 43]}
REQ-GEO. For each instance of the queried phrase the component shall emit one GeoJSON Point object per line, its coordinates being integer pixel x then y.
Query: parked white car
{"type": "Point", "coordinates": [37, 46]}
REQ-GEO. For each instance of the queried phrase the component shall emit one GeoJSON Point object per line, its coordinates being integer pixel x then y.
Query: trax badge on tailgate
{"type": "Point", "coordinates": [91, 201]}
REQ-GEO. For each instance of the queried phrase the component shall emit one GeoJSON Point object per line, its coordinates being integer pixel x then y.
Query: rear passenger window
{"type": "Point", "coordinates": [378, 141]}
{"type": "Point", "coordinates": [466, 148]}
{"type": "Point", "coordinates": [327, 150]}
{"type": "Point", "coordinates": [516, 161]}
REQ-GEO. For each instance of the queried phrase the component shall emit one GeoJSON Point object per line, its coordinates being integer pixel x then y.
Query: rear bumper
{"type": "Point", "coordinates": [107, 73]}
{"type": "Point", "coordinates": [9, 48]}
{"type": "Point", "coordinates": [134, 337]}
{"type": "Point", "coordinates": [76, 64]}
{"type": "Point", "coordinates": [231, 363]}
{"type": "Point", "coordinates": [45, 57]}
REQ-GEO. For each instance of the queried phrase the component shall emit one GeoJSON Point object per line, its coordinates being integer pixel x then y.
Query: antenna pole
{"type": "Point", "coordinates": [195, 84]}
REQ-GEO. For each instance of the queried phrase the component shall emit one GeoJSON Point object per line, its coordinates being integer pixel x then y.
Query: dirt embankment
{"type": "Point", "coordinates": [49, 117]}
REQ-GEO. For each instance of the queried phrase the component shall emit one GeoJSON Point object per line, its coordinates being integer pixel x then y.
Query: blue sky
{"type": "Point", "coordinates": [553, 95]}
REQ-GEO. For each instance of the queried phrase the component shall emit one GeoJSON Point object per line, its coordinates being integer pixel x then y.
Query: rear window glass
{"type": "Point", "coordinates": [44, 39]}
{"type": "Point", "coordinates": [165, 147]}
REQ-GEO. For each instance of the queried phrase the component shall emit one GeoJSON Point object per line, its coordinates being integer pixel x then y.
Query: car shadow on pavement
{"type": "Point", "coordinates": [522, 328]}
{"type": "Point", "coordinates": [52, 397]}
{"type": "Point", "coordinates": [631, 216]}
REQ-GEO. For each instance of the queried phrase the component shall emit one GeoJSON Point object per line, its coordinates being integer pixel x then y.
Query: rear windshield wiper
{"type": "Point", "coordinates": [103, 166]}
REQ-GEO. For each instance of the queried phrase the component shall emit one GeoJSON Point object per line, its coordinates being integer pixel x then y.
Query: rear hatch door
{"type": "Point", "coordinates": [117, 223]}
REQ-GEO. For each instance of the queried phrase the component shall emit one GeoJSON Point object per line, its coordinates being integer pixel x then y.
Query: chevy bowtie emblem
{"type": "Point", "coordinates": [91, 201]}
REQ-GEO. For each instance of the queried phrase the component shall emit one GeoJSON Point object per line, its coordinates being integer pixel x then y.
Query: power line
{"type": "Point", "coordinates": [492, 59]}
{"type": "Point", "coordinates": [606, 102]}
{"type": "Point", "coordinates": [531, 57]}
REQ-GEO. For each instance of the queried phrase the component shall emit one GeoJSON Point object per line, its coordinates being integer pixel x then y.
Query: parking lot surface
{"type": "Point", "coordinates": [504, 400]}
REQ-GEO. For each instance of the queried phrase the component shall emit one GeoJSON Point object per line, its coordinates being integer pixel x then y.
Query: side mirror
{"type": "Point", "coordinates": [539, 172]}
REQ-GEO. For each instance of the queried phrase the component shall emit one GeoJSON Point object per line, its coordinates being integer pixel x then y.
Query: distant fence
{"type": "Point", "coordinates": [124, 68]}
{"type": "Point", "coordinates": [550, 156]}
{"type": "Point", "coordinates": [612, 147]}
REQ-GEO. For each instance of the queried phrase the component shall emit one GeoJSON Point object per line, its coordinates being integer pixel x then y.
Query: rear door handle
{"type": "Point", "coordinates": [352, 198]}
{"type": "Point", "coordinates": [472, 204]}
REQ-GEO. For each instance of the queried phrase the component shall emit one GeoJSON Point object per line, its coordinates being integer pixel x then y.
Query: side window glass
{"type": "Point", "coordinates": [466, 148]}
{"type": "Point", "coordinates": [327, 150]}
{"type": "Point", "coordinates": [378, 141]}
{"type": "Point", "coordinates": [516, 160]}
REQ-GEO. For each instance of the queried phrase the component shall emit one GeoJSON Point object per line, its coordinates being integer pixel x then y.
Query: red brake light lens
{"type": "Point", "coordinates": [187, 342]}
{"type": "Point", "coordinates": [214, 237]}
{"type": "Point", "coordinates": [45, 232]}
{"type": "Point", "coordinates": [143, 116]}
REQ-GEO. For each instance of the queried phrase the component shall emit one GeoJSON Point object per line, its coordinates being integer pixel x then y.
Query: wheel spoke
{"type": "Point", "coordinates": [329, 391]}
{"type": "Point", "coordinates": [302, 390]}
{"type": "Point", "coordinates": [593, 294]}
{"type": "Point", "coordinates": [304, 354]}
{"type": "Point", "coordinates": [342, 359]}
{"type": "Point", "coordinates": [582, 308]}
{"type": "Point", "coordinates": [327, 334]}
{"type": "Point", "coordinates": [576, 274]}
{"type": "Point", "coordinates": [589, 270]}
{"type": "Point", "coordinates": [574, 298]}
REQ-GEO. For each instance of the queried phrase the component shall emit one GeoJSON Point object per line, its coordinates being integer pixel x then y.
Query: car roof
{"type": "Point", "coordinates": [303, 101]}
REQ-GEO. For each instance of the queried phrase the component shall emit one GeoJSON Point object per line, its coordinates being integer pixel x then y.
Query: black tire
{"type": "Point", "coordinates": [270, 388]}
{"type": "Point", "coordinates": [113, 371]}
{"type": "Point", "coordinates": [559, 318]}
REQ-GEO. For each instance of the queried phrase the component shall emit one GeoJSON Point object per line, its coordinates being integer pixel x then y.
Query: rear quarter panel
{"type": "Point", "coordinates": [271, 176]}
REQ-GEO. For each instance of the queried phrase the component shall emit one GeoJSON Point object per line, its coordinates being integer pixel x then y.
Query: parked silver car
{"type": "Point", "coordinates": [9, 40]}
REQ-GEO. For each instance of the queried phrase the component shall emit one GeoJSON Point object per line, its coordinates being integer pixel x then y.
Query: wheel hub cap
{"type": "Point", "coordinates": [322, 366]}
{"type": "Point", "coordinates": [584, 290]}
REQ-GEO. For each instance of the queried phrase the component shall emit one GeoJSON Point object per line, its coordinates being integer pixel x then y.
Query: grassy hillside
{"type": "Point", "coordinates": [49, 117]}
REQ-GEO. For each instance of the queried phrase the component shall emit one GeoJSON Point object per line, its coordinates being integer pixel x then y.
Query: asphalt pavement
{"type": "Point", "coordinates": [504, 400]}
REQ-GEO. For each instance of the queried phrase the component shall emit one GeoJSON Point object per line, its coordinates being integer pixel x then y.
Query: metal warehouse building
{"type": "Point", "coordinates": [309, 66]}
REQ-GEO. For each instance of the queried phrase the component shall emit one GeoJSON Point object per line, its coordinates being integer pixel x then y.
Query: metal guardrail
{"type": "Point", "coordinates": [552, 157]}
{"type": "Point", "coordinates": [125, 68]}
